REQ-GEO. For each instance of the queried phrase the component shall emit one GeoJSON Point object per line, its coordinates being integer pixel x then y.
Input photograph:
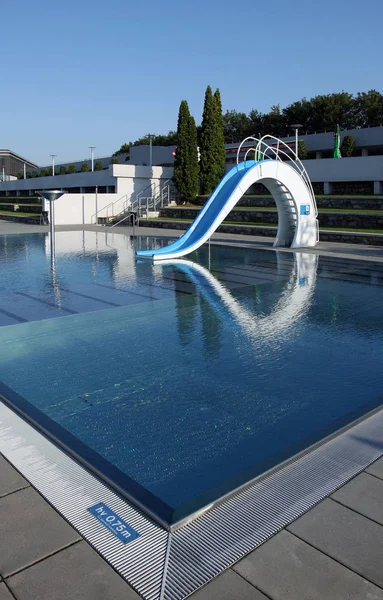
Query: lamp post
{"type": "Point", "coordinates": [296, 126]}
{"type": "Point", "coordinates": [53, 163]}
{"type": "Point", "coordinates": [50, 196]}
{"type": "Point", "coordinates": [92, 148]}
{"type": "Point", "coordinates": [150, 151]}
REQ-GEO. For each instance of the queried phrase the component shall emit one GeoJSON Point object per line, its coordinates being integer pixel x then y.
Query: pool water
{"type": "Point", "coordinates": [181, 382]}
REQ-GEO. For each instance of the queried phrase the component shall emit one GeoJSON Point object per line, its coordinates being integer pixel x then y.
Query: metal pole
{"type": "Point", "coordinates": [96, 202]}
{"type": "Point", "coordinates": [25, 171]}
{"type": "Point", "coordinates": [296, 142]}
{"type": "Point", "coordinates": [3, 173]}
{"type": "Point", "coordinates": [92, 156]}
{"type": "Point", "coordinates": [52, 229]}
{"type": "Point", "coordinates": [150, 151]}
{"type": "Point", "coordinates": [53, 163]}
{"type": "Point", "coordinates": [209, 254]}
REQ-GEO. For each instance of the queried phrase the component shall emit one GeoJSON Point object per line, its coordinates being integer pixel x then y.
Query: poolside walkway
{"type": "Point", "coordinates": [355, 251]}
{"type": "Point", "coordinates": [334, 551]}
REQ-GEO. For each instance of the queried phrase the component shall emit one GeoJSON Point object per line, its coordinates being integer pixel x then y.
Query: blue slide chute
{"type": "Point", "coordinates": [211, 215]}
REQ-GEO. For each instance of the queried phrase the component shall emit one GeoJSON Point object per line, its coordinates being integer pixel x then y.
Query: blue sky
{"type": "Point", "coordinates": [80, 73]}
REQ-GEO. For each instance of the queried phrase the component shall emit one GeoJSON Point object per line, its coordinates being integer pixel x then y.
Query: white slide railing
{"type": "Point", "coordinates": [278, 151]}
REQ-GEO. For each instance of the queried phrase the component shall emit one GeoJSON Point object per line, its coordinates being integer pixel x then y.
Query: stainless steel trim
{"type": "Point", "coordinates": [170, 566]}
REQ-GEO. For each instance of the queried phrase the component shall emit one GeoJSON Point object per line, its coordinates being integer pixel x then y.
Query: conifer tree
{"type": "Point", "coordinates": [208, 165]}
{"type": "Point", "coordinates": [186, 160]}
{"type": "Point", "coordinates": [193, 158]}
{"type": "Point", "coordinates": [220, 138]}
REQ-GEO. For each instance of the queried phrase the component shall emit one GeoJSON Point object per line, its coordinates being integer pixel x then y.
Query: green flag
{"type": "Point", "coordinates": [337, 153]}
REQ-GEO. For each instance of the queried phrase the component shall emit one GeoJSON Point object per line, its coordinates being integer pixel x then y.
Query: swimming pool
{"type": "Point", "coordinates": [180, 382]}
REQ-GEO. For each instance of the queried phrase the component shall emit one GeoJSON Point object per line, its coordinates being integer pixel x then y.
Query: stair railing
{"type": "Point", "coordinates": [109, 209]}
{"type": "Point", "coordinates": [143, 204]}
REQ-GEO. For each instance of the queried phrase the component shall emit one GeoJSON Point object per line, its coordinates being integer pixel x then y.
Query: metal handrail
{"type": "Point", "coordinates": [106, 208]}
{"type": "Point", "coordinates": [155, 198]}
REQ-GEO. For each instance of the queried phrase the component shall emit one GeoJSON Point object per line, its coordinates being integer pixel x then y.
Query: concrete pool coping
{"type": "Point", "coordinates": [333, 551]}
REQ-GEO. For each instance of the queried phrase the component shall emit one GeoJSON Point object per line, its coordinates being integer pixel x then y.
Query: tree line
{"type": "Point", "coordinates": [320, 113]}
{"type": "Point", "coordinates": [63, 170]}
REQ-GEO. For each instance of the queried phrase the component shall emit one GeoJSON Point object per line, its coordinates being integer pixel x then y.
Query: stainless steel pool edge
{"type": "Point", "coordinates": [77, 457]}
{"type": "Point", "coordinates": [202, 549]}
{"type": "Point", "coordinates": [71, 490]}
{"type": "Point", "coordinates": [170, 566]}
{"type": "Point", "coordinates": [244, 486]}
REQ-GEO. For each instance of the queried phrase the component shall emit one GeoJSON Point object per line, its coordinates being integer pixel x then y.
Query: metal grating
{"type": "Point", "coordinates": [171, 566]}
{"type": "Point", "coordinates": [71, 489]}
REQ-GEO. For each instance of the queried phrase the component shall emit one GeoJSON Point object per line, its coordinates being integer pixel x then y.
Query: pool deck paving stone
{"type": "Point", "coordinates": [5, 594]}
{"type": "Point", "coordinates": [332, 552]}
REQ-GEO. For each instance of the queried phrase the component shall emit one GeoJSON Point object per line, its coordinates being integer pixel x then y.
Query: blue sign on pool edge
{"type": "Point", "coordinates": [117, 526]}
{"type": "Point", "coordinates": [305, 209]}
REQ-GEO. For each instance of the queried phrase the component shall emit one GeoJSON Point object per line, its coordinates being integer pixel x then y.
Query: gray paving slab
{"type": "Point", "coordinates": [77, 572]}
{"type": "Point", "coordinates": [228, 586]}
{"type": "Point", "coordinates": [10, 479]}
{"type": "Point", "coordinates": [363, 494]}
{"type": "Point", "coordinates": [350, 538]}
{"type": "Point", "coordinates": [286, 568]}
{"type": "Point", "coordinates": [29, 530]}
{"type": "Point", "coordinates": [376, 468]}
{"type": "Point", "coordinates": [5, 594]}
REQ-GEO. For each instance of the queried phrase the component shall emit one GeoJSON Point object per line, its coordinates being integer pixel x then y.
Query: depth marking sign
{"type": "Point", "coordinates": [117, 526]}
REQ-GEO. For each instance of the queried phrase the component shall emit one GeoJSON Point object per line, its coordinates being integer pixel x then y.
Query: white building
{"type": "Point", "coordinates": [92, 196]}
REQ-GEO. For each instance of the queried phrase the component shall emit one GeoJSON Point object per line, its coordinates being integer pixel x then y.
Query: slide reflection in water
{"type": "Point", "coordinates": [294, 301]}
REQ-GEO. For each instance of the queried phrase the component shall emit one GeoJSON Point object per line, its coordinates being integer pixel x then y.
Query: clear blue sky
{"type": "Point", "coordinates": [78, 72]}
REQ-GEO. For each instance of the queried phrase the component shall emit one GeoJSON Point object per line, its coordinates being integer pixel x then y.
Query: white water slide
{"type": "Point", "coordinates": [282, 173]}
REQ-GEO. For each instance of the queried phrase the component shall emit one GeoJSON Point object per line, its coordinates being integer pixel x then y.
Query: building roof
{"type": "Point", "coordinates": [8, 152]}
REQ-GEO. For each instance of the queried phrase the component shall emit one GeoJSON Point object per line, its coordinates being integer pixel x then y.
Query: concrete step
{"type": "Point", "coordinates": [15, 218]}
{"type": "Point", "coordinates": [341, 202]}
{"type": "Point", "coordinates": [345, 237]}
{"type": "Point", "coordinates": [264, 216]}
{"type": "Point", "coordinates": [16, 207]}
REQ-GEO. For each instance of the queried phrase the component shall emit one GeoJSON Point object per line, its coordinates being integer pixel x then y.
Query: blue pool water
{"type": "Point", "coordinates": [181, 382]}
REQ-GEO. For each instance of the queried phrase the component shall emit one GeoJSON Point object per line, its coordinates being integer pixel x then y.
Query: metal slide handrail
{"type": "Point", "coordinates": [262, 149]}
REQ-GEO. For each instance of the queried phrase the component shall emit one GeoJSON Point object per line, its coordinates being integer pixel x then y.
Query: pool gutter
{"type": "Point", "coordinates": [170, 565]}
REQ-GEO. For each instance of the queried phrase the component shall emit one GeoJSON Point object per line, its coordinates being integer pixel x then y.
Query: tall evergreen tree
{"type": "Point", "coordinates": [186, 160]}
{"type": "Point", "coordinates": [193, 161]}
{"type": "Point", "coordinates": [207, 163]}
{"type": "Point", "coordinates": [220, 138]}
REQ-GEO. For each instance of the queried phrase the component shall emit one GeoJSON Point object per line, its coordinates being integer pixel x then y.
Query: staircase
{"type": "Point", "coordinates": [147, 203]}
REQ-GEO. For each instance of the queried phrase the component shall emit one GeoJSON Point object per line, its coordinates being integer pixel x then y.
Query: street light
{"type": "Point", "coordinates": [92, 155]}
{"type": "Point", "coordinates": [50, 196]}
{"type": "Point", "coordinates": [296, 126]}
{"type": "Point", "coordinates": [150, 151]}
{"type": "Point", "coordinates": [53, 163]}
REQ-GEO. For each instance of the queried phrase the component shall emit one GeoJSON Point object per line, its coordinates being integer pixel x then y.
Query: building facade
{"type": "Point", "coordinates": [11, 164]}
